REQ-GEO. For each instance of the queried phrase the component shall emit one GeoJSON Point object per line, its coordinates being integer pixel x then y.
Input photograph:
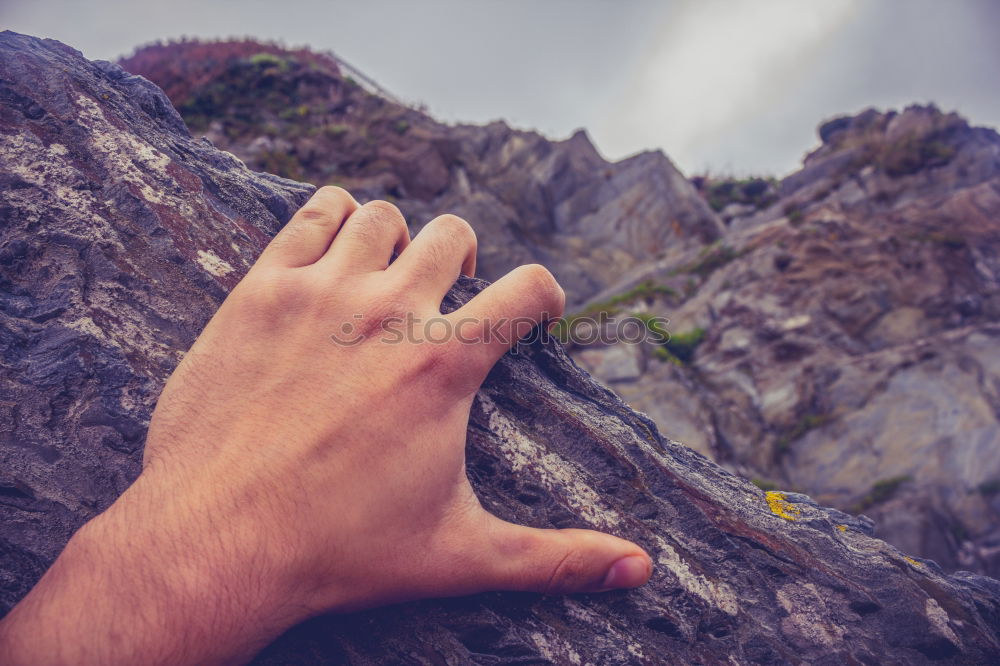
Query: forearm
{"type": "Point", "coordinates": [144, 584]}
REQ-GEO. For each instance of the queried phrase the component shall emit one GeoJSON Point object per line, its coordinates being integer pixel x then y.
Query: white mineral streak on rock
{"type": "Point", "coordinates": [808, 615]}
{"type": "Point", "coordinates": [28, 158]}
{"type": "Point", "coordinates": [556, 650]}
{"type": "Point", "coordinates": [130, 159]}
{"type": "Point", "coordinates": [554, 472]}
{"type": "Point", "coordinates": [798, 321]}
{"type": "Point", "coordinates": [213, 263]}
{"type": "Point", "coordinates": [717, 594]}
{"type": "Point", "coordinates": [87, 325]}
{"type": "Point", "coordinates": [939, 620]}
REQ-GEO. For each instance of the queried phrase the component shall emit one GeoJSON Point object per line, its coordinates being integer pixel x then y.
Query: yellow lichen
{"type": "Point", "coordinates": [912, 561]}
{"type": "Point", "coordinates": [842, 528]}
{"type": "Point", "coordinates": [781, 506]}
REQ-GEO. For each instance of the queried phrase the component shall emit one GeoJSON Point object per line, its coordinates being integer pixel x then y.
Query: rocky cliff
{"type": "Point", "coordinates": [833, 332]}
{"type": "Point", "coordinates": [848, 334]}
{"type": "Point", "coordinates": [121, 234]}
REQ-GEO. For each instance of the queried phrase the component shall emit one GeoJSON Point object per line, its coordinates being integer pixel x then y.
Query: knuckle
{"type": "Point", "coordinates": [332, 191]}
{"type": "Point", "coordinates": [456, 227]}
{"type": "Point", "coordinates": [331, 194]}
{"type": "Point", "coordinates": [267, 291]}
{"type": "Point", "coordinates": [543, 283]}
{"type": "Point", "coordinates": [377, 217]}
{"type": "Point", "coordinates": [383, 210]}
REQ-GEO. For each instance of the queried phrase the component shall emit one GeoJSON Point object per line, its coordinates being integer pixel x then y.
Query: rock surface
{"type": "Point", "coordinates": [121, 234]}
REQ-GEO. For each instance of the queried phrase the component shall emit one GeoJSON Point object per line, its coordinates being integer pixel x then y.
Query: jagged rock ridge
{"type": "Point", "coordinates": [121, 234]}
{"type": "Point", "coordinates": [530, 199]}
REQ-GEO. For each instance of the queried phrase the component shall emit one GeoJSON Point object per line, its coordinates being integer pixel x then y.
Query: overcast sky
{"type": "Point", "coordinates": [732, 86]}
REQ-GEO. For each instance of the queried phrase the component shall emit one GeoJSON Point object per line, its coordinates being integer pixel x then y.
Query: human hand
{"type": "Point", "coordinates": [287, 474]}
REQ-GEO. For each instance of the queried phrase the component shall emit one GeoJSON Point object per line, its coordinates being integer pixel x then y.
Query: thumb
{"type": "Point", "coordinates": [563, 561]}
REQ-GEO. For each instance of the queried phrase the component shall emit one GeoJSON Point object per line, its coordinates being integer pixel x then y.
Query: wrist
{"type": "Point", "coordinates": [164, 582]}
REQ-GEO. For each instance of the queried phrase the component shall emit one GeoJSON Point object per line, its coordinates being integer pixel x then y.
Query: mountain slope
{"type": "Point", "coordinates": [530, 199]}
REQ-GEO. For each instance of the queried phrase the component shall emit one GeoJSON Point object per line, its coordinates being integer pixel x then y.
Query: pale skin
{"type": "Point", "coordinates": [286, 475]}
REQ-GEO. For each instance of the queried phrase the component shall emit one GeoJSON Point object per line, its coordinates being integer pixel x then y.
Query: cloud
{"type": "Point", "coordinates": [717, 63]}
{"type": "Point", "coordinates": [726, 85]}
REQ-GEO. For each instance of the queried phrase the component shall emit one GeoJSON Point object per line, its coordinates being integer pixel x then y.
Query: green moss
{"type": "Point", "coordinates": [683, 345]}
{"type": "Point", "coordinates": [710, 259]}
{"type": "Point", "coordinates": [764, 485]}
{"type": "Point", "coordinates": [794, 214]}
{"type": "Point", "coordinates": [805, 423]}
{"type": "Point", "coordinates": [646, 290]}
{"type": "Point", "coordinates": [720, 192]}
{"type": "Point", "coordinates": [643, 290]}
{"type": "Point", "coordinates": [653, 324]}
{"type": "Point", "coordinates": [265, 60]}
{"type": "Point", "coordinates": [401, 127]}
{"type": "Point", "coordinates": [881, 491]}
{"type": "Point", "coordinates": [336, 130]}
{"type": "Point", "coordinates": [662, 354]}
{"type": "Point", "coordinates": [244, 95]}
{"type": "Point", "coordinates": [295, 112]}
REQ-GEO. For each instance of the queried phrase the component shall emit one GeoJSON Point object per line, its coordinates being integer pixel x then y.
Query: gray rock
{"type": "Point", "coordinates": [849, 337]}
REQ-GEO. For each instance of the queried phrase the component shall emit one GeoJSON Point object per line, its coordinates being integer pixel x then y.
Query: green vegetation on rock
{"type": "Point", "coordinates": [646, 290]}
{"type": "Point", "coordinates": [880, 491]}
{"type": "Point", "coordinates": [710, 259]}
{"type": "Point", "coordinates": [806, 423]}
{"type": "Point", "coordinates": [720, 192]}
{"type": "Point", "coordinates": [683, 345]}
{"type": "Point", "coordinates": [912, 154]}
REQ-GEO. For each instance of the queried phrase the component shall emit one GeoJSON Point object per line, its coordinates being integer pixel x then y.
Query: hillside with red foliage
{"type": "Point", "coordinates": [184, 66]}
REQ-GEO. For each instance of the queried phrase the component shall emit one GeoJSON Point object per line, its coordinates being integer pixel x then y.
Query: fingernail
{"type": "Point", "coordinates": [628, 571]}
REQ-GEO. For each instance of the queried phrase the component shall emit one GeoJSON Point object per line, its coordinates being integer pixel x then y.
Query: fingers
{"type": "Point", "coordinates": [368, 238]}
{"type": "Point", "coordinates": [443, 250]}
{"type": "Point", "coordinates": [311, 230]}
{"type": "Point", "coordinates": [509, 309]}
{"type": "Point", "coordinates": [563, 561]}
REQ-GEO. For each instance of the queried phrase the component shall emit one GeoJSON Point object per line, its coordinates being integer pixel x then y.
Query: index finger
{"type": "Point", "coordinates": [507, 310]}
